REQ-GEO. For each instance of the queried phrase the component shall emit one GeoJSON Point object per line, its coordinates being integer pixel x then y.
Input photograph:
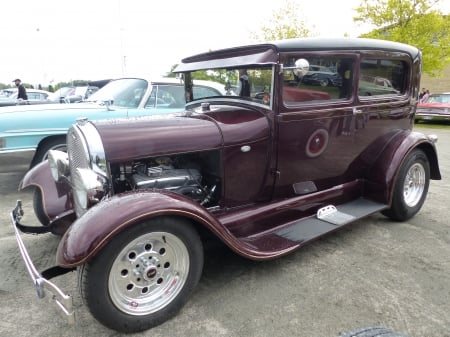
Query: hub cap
{"type": "Point", "coordinates": [414, 185]}
{"type": "Point", "coordinates": [148, 273]}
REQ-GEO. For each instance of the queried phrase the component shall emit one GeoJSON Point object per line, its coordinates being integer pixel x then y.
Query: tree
{"type": "Point", "coordinates": [414, 22]}
{"type": "Point", "coordinates": [285, 23]}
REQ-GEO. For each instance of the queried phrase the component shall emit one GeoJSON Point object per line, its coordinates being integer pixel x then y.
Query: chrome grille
{"type": "Point", "coordinates": [77, 149]}
{"type": "Point", "coordinates": [78, 157]}
{"type": "Point", "coordinates": [85, 150]}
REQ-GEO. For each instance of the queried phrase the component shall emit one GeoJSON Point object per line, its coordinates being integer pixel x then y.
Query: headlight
{"type": "Point", "coordinates": [59, 164]}
{"type": "Point", "coordinates": [88, 189]}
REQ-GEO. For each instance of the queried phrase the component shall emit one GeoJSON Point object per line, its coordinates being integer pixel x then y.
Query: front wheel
{"type": "Point", "coordinates": [144, 275]}
{"type": "Point", "coordinates": [38, 206]}
{"type": "Point", "coordinates": [324, 82]}
{"type": "Point", "coordinates": [411, 187]}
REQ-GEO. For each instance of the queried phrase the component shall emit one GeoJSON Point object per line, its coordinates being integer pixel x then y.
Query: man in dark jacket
{"type": "Point", "coordinates": [22, 92]}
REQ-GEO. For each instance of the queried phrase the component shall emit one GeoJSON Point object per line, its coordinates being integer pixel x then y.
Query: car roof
{"type": "Point", "coordinates": [267, 53]}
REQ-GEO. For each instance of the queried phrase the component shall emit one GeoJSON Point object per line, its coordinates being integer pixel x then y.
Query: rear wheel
{"type": "Point", "coordinates": [144, 275]}
{"type": "Point", "coordinates": [411, 187]}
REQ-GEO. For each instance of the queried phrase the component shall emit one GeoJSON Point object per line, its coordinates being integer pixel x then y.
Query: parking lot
{"type": "Point", "coordinates": [373, 272]}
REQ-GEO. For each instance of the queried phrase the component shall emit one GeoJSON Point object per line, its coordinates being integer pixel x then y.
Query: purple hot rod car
{"type": "Point", "coordinates": [266, 167]}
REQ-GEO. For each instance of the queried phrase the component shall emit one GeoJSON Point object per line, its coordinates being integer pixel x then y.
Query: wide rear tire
{"type": "Point", "coordinates": [411, 187]}
{"type": "Point", "coordinates": [144, 275]}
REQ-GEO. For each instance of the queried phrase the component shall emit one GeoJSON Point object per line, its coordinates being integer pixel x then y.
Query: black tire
{"type": "Point", "coordinates": [54, 143]}
{"type": "Point", "coordinates": [411, 187]}
{"type": "Point", "coordinates": [372, 332]}
{"type": "Point", "coordinates": [324, 82]}
{"type": "Point", "coordinates": [144, 275]}
{"type": "Point", "coordinates": [39, 208]}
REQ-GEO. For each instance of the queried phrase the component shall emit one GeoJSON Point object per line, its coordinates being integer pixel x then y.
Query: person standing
{"type": "Point", "coordinates": [425, 96]}
{"type": "Point", "coordinates": [422, 93]}
{"type": "Point", "coordinates": [245, 83]}
{"type": "Point", "coordinates": [22, 92]}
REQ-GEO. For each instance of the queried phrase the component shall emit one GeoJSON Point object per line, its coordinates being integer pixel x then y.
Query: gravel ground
{"type": "Point", "coordinates": [373, 272]}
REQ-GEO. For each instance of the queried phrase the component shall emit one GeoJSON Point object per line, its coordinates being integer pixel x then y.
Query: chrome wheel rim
{"type": "Point", "coordinates": [148, 273]}
{"type": "Point", "coordinates": [414, 185]}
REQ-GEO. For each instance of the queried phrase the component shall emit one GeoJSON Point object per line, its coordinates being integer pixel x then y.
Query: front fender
{"type": "Point", "coordinates": [101, 223]}
{"type": "Point", "coordinates": [56, 197]}
{"type": "Point", "coordinates": [381, 176]}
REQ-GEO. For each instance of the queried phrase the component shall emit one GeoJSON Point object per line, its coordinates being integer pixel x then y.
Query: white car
{"type": "Point", "coordinates": [35, 96]}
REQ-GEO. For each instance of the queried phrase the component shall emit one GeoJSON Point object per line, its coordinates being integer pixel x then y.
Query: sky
{"type": "Point", "coordinates": [50, 41]}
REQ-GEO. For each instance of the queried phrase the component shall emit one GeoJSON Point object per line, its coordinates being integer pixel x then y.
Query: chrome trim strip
{"type": "Point", "coordinates": [63, 301]}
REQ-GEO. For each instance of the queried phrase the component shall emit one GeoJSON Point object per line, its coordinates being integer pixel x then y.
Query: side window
{"type": "Point", "coordinates": [166, 97]}
{"type": "Point", "coordinates": [327, 78]}
{"type": "Point", "coordinates": [200, 92]}
{"type": "Point", "coordinates": [381, 77]}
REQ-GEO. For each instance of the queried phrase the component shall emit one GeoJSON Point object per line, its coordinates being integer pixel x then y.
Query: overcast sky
{"type": "Point", "coordinates": [58, 40]}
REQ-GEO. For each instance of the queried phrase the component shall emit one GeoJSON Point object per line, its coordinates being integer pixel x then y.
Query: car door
{"type": "Point", "coordinates": [323, 130]}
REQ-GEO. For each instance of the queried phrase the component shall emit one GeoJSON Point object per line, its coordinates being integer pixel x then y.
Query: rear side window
{"type": "Point", "coordinates": [328, 78]}
{"type": "Point", "coordinates": [382, 77]}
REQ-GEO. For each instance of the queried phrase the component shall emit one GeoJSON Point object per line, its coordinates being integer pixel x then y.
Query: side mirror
{"type": "Point", "coordinates": [301, 67]}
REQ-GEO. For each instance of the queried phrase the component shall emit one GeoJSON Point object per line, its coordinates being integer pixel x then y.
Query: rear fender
{"type": "Point", "coordinates": [104, 221]}
{"type": "Point", "coordinates": [381, 176]}
{"type": "Point", "coordinates": [56, 197]}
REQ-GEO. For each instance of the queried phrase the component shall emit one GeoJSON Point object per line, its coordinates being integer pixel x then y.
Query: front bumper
{"type": "Point", "coordinates": [41, 283]}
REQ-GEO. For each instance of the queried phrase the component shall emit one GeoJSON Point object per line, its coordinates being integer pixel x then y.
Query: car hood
{"type": "Point", "coordinates": [140, 137]}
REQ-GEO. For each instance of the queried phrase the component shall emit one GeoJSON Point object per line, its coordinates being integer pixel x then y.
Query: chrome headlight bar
{"type": "Point", "coordinates": [88, 188]}
{"type": "Point", "coordinates": [59, 164]}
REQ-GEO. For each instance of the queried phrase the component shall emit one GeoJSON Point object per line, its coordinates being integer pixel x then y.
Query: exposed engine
{"type": "Point", "coordinates": [173, 174]}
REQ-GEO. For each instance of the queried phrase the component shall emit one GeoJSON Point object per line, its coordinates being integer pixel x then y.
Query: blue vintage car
{"type": "Point", "coordinates": [30, 131]}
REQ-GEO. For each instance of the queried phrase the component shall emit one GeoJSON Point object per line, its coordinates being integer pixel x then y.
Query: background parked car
{"type": "Point", "coordinates": [320, 75]}
{"type": "Point", "coordinates": [35, 96]}
{"type": "Point", "coordinates": [73, 94]}
{"type": "Point", "coordinates": [21, 130]}
{"type": "Point", "coordinates": [435, 108]}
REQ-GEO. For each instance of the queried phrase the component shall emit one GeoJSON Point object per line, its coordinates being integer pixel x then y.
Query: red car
{"type": "Point", "coordinates": [436, 108]}
{"type": "Point", "coordinates": [265, 170]}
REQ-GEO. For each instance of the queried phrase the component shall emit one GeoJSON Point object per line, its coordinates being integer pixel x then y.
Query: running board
{"type": "Point", "coordinates": [329, 218]}
{"type": "Point", "coordinates": [293, 235]}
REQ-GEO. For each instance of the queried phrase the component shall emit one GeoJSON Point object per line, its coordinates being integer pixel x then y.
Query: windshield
{"type": "Point", "coordinates": [252, 83]}
{"type": "Point", "coordinates": [125, 92]}
{"type": "Point", "coordinates": [61, 93]}
{"type": "Point", "coordinates": [438, 99]}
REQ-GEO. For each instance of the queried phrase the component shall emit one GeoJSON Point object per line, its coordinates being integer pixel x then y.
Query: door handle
{"type": "Point", "coordinates": [357, 112]}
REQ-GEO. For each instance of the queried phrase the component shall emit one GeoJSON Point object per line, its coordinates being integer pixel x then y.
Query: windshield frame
{"type": "Point", "coordinates": [121, 92]}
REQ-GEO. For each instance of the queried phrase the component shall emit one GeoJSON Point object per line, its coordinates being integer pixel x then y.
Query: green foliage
{"type": "Point", "coordinates": [285, 23]}
{"type": "Point", "coordinates": [414, 22]}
